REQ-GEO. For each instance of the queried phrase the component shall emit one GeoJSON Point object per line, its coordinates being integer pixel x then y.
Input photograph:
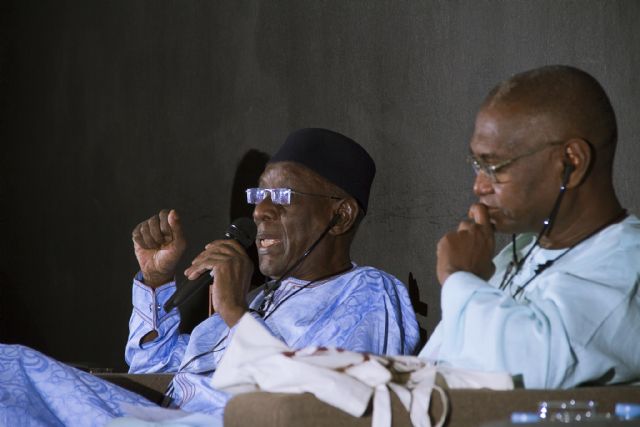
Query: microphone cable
{"type": "Point", "coordinates": [169, 391]}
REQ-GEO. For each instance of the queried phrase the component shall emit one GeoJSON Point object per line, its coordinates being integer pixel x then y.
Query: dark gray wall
{"type": "Point", "coordinates": [116, 109]}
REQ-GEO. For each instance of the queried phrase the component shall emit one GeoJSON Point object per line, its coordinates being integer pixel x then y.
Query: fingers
{"type": "Point", "coordinates": [154, 231]}
{"type": "Point", "coordinates": [147, 237]}
{"type": "Point", "coordinates": [466, 225]}
{"type": "Point", "coordinates": [174, 224]}
{"type": "Point", "coordinates": [229, 246]}
{"type": "Point", "coordinates": [158, 230]}
{"type": "Point", "coordinates": [143, 237]}
{"type": "Point", "coordinates": [479, 214]}
{"type": "Point", "coordinates": [470, 248]}
{"type": "Point", "coordinates": [164, 224]}
{"type": "Point", "coordinates": [137, 236]}
{"type": "Point", "coordinates": [478, 219]}
{"type": "Point", "coordinates": [217, 253]}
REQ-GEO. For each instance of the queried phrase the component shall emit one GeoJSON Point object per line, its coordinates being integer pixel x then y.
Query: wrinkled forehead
{"type": "Point", "coordinates": [292, 175]}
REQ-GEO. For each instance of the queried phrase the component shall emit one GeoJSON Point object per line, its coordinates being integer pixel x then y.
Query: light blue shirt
{"type": "Point", "coordinates": [364, 309]}
{"type": "Point", "coordinates": [577, 322]}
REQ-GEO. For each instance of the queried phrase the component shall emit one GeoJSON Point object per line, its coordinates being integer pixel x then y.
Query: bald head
{"type": "Point", "coordinates": [571, 99]}
{"type": "Point", "coordinates": [561, 121]}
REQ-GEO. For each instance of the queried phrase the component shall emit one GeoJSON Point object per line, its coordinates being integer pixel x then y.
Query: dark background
{"type": "Point", "coordinates": [112, 110]}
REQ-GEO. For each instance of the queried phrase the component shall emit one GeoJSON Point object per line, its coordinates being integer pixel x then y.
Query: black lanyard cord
{"type": "Point", "coordinates": [542, 267]}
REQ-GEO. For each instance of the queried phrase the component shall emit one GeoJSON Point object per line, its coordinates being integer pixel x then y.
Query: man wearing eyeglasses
{"type": "Point", "coordinates": [313, 195]}
{"type": "Point", "coordinates": [560, 304]}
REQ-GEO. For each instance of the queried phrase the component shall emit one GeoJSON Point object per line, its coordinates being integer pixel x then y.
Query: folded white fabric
{"type": "Point", "coordinates": [255, 360]}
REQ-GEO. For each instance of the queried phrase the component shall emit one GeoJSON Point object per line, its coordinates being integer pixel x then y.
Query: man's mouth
{"type": "Point", "coordinates": [267, 243]}
{"type": "Point", "coordinates": [266, 240]}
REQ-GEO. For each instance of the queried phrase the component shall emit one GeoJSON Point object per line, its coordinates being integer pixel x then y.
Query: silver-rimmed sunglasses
{"type": "Point", "coordinates": [279, 196]}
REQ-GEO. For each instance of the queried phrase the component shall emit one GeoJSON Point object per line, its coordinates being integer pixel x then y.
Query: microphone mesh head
{"type": "Point", "coordinates": [243, 230]}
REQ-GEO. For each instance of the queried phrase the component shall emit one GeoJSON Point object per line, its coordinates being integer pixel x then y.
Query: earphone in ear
{"type": "Point", "coordinates": [335, 219]}
{"type": "Point", "coordinates": [568, 169]}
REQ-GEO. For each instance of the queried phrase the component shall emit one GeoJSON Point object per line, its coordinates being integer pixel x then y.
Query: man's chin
{"type": "Point", "coordinates": [502, 225]}
{"type": "Point", "coordinates": [270, 271]}
{"type": "Point", "coordinates": [507, 227]}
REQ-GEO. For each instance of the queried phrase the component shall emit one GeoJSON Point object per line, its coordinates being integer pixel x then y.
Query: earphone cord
{"type": "Point", "coordinates": [277, 283]}
{"type": "Point", "coordinates": [547, 225]}
{"type": "Point", "coordinates": [507, 279]}
{"type": "Point", "coordinates": [306, 285]}
{"type": "Point", "coordinates": [167, 398]}
{"type": "Point", "coordinates": [542, 267]}
{"type": "Point", "coordinates": [271, 289]}
{"type": "Point", "coordinates": [328, 228]}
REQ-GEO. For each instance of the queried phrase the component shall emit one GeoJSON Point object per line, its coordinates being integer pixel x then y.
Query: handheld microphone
{"type": "Point", "coordinates": [243, 230]}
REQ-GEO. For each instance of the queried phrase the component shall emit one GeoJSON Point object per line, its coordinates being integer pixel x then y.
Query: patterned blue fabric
{"type": "Point", "coordinates": [36, 390]}
{"type": "Point", "coordinates": [575, 322]}
{"type": "Point", "coordinates": [364, 309]}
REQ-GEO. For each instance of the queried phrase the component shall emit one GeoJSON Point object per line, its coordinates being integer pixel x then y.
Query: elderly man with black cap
{"type": "Point", "coordinates": [312, 196]}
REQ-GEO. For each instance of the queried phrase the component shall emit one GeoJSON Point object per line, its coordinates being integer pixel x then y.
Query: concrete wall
{"type": "Point", "coordinates": [114, 110]}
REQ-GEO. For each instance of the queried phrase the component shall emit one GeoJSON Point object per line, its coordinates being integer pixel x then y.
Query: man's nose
{"type": "Point", "coordinates": [482, 184]}
{"type": "Point", "coordinates": [265, 210]}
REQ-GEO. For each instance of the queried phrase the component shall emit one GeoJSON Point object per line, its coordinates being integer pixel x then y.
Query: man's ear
{"type": "Point", "coordinates": [347, 212]}
{"type": "Point", "coordinates": [578, 161]}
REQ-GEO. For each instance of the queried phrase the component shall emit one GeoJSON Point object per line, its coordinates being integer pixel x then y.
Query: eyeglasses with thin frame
{"type": "Point", "coordinates": [490, 170]}
{"type": "Point", "coordinates": [279, 196]}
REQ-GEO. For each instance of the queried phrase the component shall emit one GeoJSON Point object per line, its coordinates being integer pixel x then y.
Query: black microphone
{"type": "Point", "coordinates": [242, 230]}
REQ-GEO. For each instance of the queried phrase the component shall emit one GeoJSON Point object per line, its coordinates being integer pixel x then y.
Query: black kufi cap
{"type": "Point", "coordinates": [335, 157]}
